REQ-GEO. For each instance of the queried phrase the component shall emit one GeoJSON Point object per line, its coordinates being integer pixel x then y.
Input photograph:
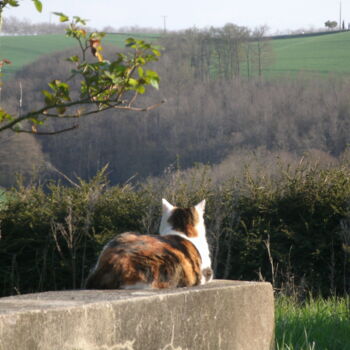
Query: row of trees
{"type": "Point", "coordinates": [12, 25]}
{"type": "Point", "coordinates": [227, 52]}
{"type": "Point", "coordinates": [15, 26]}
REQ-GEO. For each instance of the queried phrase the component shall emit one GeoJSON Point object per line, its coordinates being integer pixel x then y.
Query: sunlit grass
{"type": "Point", "coordinates": [315, 55]}
{"type": "Point", "coordinates": [317, 324]}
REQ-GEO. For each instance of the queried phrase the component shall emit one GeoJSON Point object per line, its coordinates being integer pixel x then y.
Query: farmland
{"type": "Point", "coordinates": [318, 55]}
{"type": "Point", "coordinates": [315, 55]}
{"type": "Point", "coordinates": [22, 50]}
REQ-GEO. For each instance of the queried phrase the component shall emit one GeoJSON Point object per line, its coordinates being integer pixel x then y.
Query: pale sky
{"type": "Point", "coordinates": [278, 15]}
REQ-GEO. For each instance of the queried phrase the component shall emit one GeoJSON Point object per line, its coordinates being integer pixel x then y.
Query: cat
{"type": "Point", "coordinates": [178, 257]}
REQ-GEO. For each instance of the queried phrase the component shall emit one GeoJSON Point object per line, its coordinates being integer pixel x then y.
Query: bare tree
{"type": "Point", "coordinates": [263, 48]}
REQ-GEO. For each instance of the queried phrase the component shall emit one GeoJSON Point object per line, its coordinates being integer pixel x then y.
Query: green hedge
{"type": "Point", "coordinates": [291, 229]}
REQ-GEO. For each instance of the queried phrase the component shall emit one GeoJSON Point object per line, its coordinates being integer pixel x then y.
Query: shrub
{"type": "Point", "coordinates": [291, 228]}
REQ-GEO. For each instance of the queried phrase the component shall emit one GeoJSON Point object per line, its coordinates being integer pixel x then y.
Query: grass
{"type": "Point", "coordinates": [318, 324]}
{"type": "Point", "coordinates": [24, 49]}
{"type": "Point", "coordinates": [317, 55]}
{"type": "Point", "coordinates": [2, 197]}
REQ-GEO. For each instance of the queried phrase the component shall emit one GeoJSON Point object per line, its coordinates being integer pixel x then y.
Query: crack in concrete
{"type": "Point", "coordinates": [171, 345]}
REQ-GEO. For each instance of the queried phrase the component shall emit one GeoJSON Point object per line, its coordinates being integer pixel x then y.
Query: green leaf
{"type": "Point", "coordinates": [62, 16]}
{"type": "Point", "coordinates": [13, 3]}
{"type": "Point", "coordinates": [141, 60]}
{"type": "Point", "coordinates": [82, 21]}
{"type": "Point", "coordinates": [141, 89]}
{"type": "Point", "coordinates": [155, 83]}
{"type": "Point", "coordinates": [133, 82]}
{"type": "Point", "coordinates": [152, 74]}
{"type": "Point", "coordinates": [73, 59]}
{"type": "Point", "coordinates": [36, 121]}
{"type": "Point", "coordinates": [48, 98]}
{"type": "Point", "coordinates": [140, 71]}
{"type": "Point", "coordinates": [38, 5]}
{"type": "Point", "coordinates": [156, 52]}
{"type": "Point", "coordinates": [130, 42]}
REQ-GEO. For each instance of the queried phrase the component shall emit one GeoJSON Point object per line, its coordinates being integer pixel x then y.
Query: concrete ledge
{"type": "Point", "coordinates": [222, 315]}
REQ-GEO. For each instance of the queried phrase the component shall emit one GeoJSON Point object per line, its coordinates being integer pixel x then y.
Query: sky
{"type": "Point", "coordinates": [278, 15]}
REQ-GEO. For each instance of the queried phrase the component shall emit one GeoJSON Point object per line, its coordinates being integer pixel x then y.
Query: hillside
{"type": "Point", "coordinates": [322, 54]}
{"type": "Point", "coordinates": [22, 50]}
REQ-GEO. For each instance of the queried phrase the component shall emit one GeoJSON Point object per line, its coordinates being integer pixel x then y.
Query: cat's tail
{"type": "Point", "coordinates": [92, 281]}
{"type": "Point", "coordinates": [102, 279]}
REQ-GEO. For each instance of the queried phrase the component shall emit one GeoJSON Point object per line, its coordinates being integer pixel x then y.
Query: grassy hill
{"type": "Point", "coordinates": [22, 50]}
{"type": "Point", "coordinates": [318, 55]}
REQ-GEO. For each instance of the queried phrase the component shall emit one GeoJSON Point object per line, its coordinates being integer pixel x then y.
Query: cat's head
{"type": "Point", "coordinates": [188, 221]}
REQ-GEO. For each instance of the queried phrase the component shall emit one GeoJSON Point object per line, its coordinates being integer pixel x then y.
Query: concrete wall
{"type": "Point", "coordinates": [222, 315]}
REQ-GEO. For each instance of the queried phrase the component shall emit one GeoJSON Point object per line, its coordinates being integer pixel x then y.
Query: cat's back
{"type": "Point", "coordinates": [131, 260]}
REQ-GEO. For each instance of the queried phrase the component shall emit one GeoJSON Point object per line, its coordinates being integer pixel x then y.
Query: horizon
{"type": "Point", "coordinates": [292, 16]}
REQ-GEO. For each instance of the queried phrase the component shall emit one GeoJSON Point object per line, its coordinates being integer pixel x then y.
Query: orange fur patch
{"type": "Point", "coordinates": [160, 261]}
{"type": "Point", "coordinates": [184, 220]}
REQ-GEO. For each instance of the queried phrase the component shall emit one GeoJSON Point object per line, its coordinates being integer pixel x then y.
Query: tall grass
{"type": "Point", "coordinates": [316, 324]}
{"type": "Point", "coordinates": [2, 197]}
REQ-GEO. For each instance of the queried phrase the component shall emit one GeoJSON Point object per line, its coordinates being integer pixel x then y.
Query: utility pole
{"type": "Point", "coordinates": [164, 23]}
{"type": "Point", "coordinates": [340, 22]}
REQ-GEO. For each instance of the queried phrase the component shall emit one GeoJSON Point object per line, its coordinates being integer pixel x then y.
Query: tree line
{"type": "Point", "coordinates": [223, 52]}
{"type": "Point", "coordinates": [14, 26]}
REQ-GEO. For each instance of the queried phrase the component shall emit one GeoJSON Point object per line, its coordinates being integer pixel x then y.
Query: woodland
{"type": "Point", "coordinates": [214, 111]}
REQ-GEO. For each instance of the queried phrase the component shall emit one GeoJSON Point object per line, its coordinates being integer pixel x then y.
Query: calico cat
{"type": "Point", "coordinates": [178, 257]}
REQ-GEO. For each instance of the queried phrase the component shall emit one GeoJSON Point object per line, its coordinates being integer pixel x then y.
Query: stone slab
{"type": "Point", "coordinates": [222, 315]}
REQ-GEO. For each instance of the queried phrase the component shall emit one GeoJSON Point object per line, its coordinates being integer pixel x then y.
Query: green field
{"type": "Point", "coordinates": [315, 324]}
{"type": "Point", "coordinates": [318, 55]}
{"type": "Point", "coordinates": [22, 50]}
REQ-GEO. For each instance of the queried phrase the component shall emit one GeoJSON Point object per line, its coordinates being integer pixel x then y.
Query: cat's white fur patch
{"type": "Point", "coordinates": [199, 242]}
{"type": "Point", "coordinates": [167, 208]}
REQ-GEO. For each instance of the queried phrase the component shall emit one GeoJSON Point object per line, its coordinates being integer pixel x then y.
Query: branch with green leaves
{"type": "Point", "coordinates": [104, 85]}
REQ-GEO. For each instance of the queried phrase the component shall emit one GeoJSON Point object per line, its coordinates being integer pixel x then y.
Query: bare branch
{"type": "Point", "coordinates": [140, 109]}
{"type": "Point", "coordinates": [43, 133]}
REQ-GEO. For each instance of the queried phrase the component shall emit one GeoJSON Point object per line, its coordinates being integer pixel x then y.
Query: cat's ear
{"type": "Point", "coordinates": [201, 206]}
{"type": "Point", "coordinates": [166, 205]}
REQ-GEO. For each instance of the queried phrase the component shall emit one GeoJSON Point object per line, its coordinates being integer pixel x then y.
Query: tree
{"type": "Point", "coordinates": [331, 24]}
{"type": "Point", "coordinates": [263, 49]}
{"type": "Point", "coordinates": [104, 85]}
